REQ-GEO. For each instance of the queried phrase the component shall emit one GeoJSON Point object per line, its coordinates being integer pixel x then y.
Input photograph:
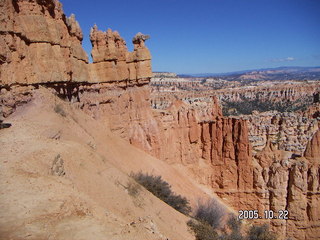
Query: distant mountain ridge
{"type": "Point", "coordinates": [279, 73]}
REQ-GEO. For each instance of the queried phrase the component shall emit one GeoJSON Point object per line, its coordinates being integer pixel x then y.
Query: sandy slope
{"type": "Point", "coordinates": [90, 199]}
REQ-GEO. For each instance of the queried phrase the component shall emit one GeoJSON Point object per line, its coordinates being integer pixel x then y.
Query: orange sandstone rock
{"type": "Point", "coordinates": [313, 148]}
{"type": "Point", "coordinates": [113, 62]}
{"type": "Point", "coordinates": [42, 42]}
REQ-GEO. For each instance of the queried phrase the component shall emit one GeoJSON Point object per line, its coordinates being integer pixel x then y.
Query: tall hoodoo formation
{"type": "Point", "coordinates": [112, 61]}
{"type": "Point", "coordinates": [45, 45]}
{"type": "Point", "coordinates": [39, 45]}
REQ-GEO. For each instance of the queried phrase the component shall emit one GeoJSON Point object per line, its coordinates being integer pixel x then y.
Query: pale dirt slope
{"type": "Point", "coordinates": [91, 200]}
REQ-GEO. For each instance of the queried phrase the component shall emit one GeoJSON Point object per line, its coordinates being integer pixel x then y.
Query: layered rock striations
{"type": "Point", "coordinates": [40, 46]}
{"type": "Point", "coordinates": [46, 46]}
{"type": "Point", "coordinates": [112, 61]}
{"type": "Point", "coordinates": [190, 135]}
{"type": "Point", "coordinates": [39, 40]}
{"type": "Point", "coordinates": [273, 92]}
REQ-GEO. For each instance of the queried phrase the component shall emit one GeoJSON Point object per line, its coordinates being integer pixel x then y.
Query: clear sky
{"type": "Point", "coordinates": [211, 36]}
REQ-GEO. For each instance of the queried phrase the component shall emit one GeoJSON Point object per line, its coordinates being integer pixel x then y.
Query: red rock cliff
{"type": "Point", "coordinates": [46, 46]}
{"type": "Point", "coordinates": [39, 40]}
{"type": "Point", "coordinates": [112, 61]}
{"type": "Point", "coordinates": [313, 148]}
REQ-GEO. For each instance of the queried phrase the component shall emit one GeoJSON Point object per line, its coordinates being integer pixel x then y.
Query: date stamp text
{"type": "Point", "coordinates": [267, 214]}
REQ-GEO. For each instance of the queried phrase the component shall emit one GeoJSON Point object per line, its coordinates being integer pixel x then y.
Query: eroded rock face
{"type": "Point", "coordinates": [290, 131]}
{"type": "Point", "coordinates": [39, 45]}
{"type": "Point", "coordinates": [289, 183]}
{"type": "Point", "coordinates": [112, 61]}
{"type": "Point", "coordinates": [273, 93]}
{"type": "Point", "coordinates": [45, 45]}
{"type": "Point", "coordinates": [39, 40]}
{"type": "Point", "coordinates": [214, 150]}
{"type": "Point", "coordinates": [313, 148]}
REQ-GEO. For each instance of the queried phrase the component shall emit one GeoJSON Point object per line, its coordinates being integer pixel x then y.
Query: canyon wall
{"type": "Point", "coordinates": [41, 47]}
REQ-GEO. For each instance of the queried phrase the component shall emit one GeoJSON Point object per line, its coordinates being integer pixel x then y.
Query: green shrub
{"type": "Point", "coordinates": [202, 230]}
{"type": "Point", "coordinates": [210, 212]}
{"type": "Point", "coordinates": [261, 233]}
{"type": "Point", "coordinates": [161, 189]}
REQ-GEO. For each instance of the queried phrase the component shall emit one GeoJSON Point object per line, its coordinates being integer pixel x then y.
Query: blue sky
{"type": "Point", "coordinates": [211, 36]}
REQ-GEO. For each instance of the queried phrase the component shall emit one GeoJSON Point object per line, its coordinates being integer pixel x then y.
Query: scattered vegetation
{"type": "Point", "coordinates": [133, 188]}
{"type": "Point", "coordinates": [207, 224]}
{"type": "Point", "coordinates": [202, 230]}
{"type": "Point", "coordinates": [246, 107]}
{"type": "Point", "coordinates": [234, 225]}
{"type": "Point", "coordinates": [208, 216]}
{"type": "Point", "coordinates": [59, 109]}
{"type": "Point", "coordinates": [210, 212]}
{"type": "Point", "coordinates": [207, 219]}
{"type": "Point", "coordinates": [161, 189]}
{"type": "Point", "coordinates": [260, 233]}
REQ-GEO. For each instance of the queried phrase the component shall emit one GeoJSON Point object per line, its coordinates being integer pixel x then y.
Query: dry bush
{"type": "Point", "coordinates": [202, 230]}
{"type": "Point", "coordinates": [161, 189]}
{"type": "Point", "coordinates": [234, 223]}
{"type": "Point", "coordinates": [59, 109]}
{"type": "Point", "coordinates": [133, 188]}
{"type": "Point", "coordinates": [210, 212]}
{"type": "Point", "coordinates": [261, 233]}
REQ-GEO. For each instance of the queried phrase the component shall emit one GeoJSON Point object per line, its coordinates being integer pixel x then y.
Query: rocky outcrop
{"type": "Point", "coordinates": [313, 111]}
{"type": "Point", "coordinates": [46, 46]}
{"type": "Point", "coordinates": [39, 40]}
{"type": "Point", "coordinates": [285, 182]}
{"type": "Point", "coordinates": [113, 62]}
{"type": "Point", "coordinates": [313, 148]}
{"type": "Point", "coordinates": [214, 149]}
{"type": "Point", "coordinates": [40, 46]}
{"type": "Point", "coordinates": [279, 175]}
